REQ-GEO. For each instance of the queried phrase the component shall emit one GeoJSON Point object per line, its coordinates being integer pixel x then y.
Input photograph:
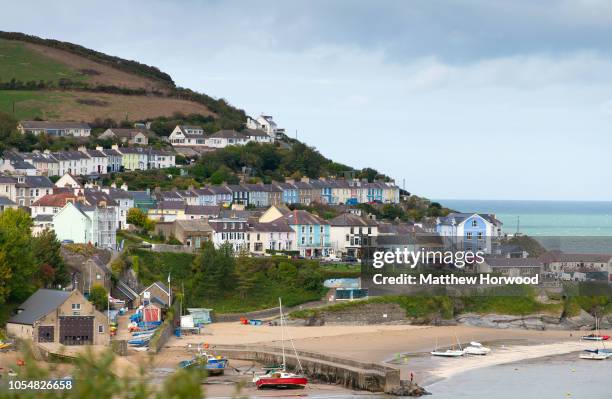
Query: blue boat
{"type": "Point", "coordinates": [214, 365]}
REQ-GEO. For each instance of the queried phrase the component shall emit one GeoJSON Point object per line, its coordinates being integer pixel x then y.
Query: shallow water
{"type": "Point", "coordinates": [557, 377]}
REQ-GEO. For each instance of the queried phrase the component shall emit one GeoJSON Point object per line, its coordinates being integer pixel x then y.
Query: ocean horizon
{"type": "Point", "coordinates": [580, 226]}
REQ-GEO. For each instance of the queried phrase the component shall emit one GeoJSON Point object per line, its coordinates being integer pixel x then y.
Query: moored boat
{"type": "Point", "coordinates": [448, 353]}
{"type": "Point", "coordinates": [594, 356]}
{"type": "Point", "coordinates": [476, 348]}
{"type": "Point", "coordinates": [214, 365]}
{"type": "Point", "coordinates": [279, 377]}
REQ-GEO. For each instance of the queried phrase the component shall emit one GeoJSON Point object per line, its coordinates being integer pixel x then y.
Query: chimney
{"type": "Point", "coordinates": [124, 187]}
{"type": "Point", "coordinates": [305, 179]}
{"type": "Point", "coordinates": [82, 148]}
{"type": "Point", "coordinates": [115, 147]}
{"type": "Point", "coordinates": [113, 185]}
{"type": "Point", "coordinates": [99, 148]}
{"type": "Point", "coordinates": [290, 181]}
{"type": "Point", "coordinates": [157, 190]}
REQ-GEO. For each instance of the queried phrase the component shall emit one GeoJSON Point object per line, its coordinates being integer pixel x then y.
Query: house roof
{"type": "Point", "coordinates": [280, 226]}
{"type": "Point", "coordinates": [558, 256]}
{"type": "Point", "coordinates": [170, 205]}
{"type": "Point", "coordinates": [130, 133]}
{"type": "Point", "coordinates": [55, 200]}
{"type": "Point", "coordinates": [6, 201]}
{"type": "Point", "coordinates": [95, 197]}
{"type": "Point", "coordinates": [183, 129]}
{"type": "Point", "coordinates": [228, 225]}
{"type": "Point", "coordinates": [302, 217]}
{"type": "Point", "coordinates": [254, 133]}
{"type": "Point", "coordinates": [53, 125]}
{"type": "Point", "coordinates": [194, 225]}
{"type": "Point", "coordinates": [349, 219]}
{"type": "Point", "coordinates": [227, 134]}
{"type": "Point", "coordinates": [111, 152]}
{"type": "Point", "coordinates": [202, 210]}
{"type": "Point", "coordinates": [69, 155]}
{"type": "Point", "coordinates": [40, 304]}
{"type": "Point", "coordinates": [460, 217]}
{"type": "Point", "coordinates": [37, 181]}
{"type": "Point", "coordinates": [132, 150]}
{"type": "Point", "coordinates": [160, 285]}
{"type": "Point", "coordinates": [220, 190]}
{"type": "Point", "coordinates": [513, 262]}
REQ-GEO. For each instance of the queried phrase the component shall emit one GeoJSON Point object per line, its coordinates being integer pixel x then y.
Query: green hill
{"type": "Point", "coordinates": [54, 80]}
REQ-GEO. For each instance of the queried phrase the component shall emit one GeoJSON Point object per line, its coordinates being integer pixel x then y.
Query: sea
{"type": "Point", "coordinates": [571, 226]}
{"type": "Point", "coordinates": [562, 377]}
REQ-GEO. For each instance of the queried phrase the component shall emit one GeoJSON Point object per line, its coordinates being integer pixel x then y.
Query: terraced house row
{"type": "Point", "coordinates": [85, 162]}
{"type": "Point", "coordinates": [305, 191]}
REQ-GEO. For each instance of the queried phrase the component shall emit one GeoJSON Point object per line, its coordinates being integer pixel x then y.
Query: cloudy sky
{"type": "Point", "coordinates": [462, 99]}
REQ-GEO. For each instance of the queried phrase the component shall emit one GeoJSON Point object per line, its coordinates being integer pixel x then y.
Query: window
{"type": "Point", "coordinates": [101, 328]}
{"type": "Point", "coordinates": [303, 240]}
{"type": "Point", "coordinates": [311, 229]}
{"type": "Point", "coordinates": [347, 238]}
{"type": "Point", "coordinates": [468, 236]}
{"type": "Point", "coordinates": [480, 236]}
{"type": "Point", "coordinates": [474, 223]}
{"type": "Point", "coordinates": [76, 306]}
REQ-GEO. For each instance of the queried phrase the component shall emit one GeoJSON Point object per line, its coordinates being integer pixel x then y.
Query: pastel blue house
{"type": "Point", "coordinates": [374, 192]}
{"type": "Point", "coordinates": [312, 233]}
{"type": "Point", "coordinates": [470, 231]}
{"type": "Point", "coordinates": [291, 194]}
{"type": "Point", "coordinates": [206, 196]}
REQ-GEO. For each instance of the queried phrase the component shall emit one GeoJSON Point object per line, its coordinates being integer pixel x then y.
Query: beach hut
{"type": "Point", "coordinates": [150, 313]}
{"type": "Point", "coordinates": [200, 316]}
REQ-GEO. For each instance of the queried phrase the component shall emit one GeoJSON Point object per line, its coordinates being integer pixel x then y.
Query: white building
{"type": "Point", "coordinates": [185, 135]}
{"type": "Point", "coordinates": [56, 129]}
{"type": "Point", "coordinates": [273, 236]}
{"type": "Point", "coordinates": [86, 224]}
{"type": "Point", "coordinates": [223, 138]}
{"type": "Point", "coordinates": [232, 231]}
{"type": "Point", "coordinates": [265, 123]}
{"type": "Point", "coordinates": [349, 233]}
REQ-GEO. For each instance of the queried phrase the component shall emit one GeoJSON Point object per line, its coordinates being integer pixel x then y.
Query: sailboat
{"type": "Point", "coordinates": [596, 336]}
{"type": "Point", "coordinates": [279, 377]}
{"type": "Point", "coordinates": [596, 354]}
{"type": "Point", "coordinates": [449, 352]}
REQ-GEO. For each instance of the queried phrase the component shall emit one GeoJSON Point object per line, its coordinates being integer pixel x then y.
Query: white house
{"type": "Point", "coordinates": [223, 138]}
{"type": "Point", "coordinates": [68, 181]}
{"type": "Point", "coordinates": [258, 136]}
{"type": "Point", "coordinates": [349, 233]}
{"type": "Point", "coordinates": [128, 136]}
{"type": "Point", "coordinates": [159, 159]}
{"type": "Point", "coordinates": [265, 123]}
{"type": "Point", "coordinates": [232, 231]}
{"type": "Point", "coordinates": [99, 161]}
{"type": "Point", "coordinates": [85, 224]}
{"type": "Point", "coordinates": [57, 129]}
{"type": "Point", "coordinates": [185, 135]}
{"type": "Point", "coordinates": [273, 236]}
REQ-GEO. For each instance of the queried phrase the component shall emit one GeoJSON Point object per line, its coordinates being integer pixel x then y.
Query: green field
{"type": "Point", "coordinates": [20, 63]}
{"type": "Point", "coordinates": [29, 104]}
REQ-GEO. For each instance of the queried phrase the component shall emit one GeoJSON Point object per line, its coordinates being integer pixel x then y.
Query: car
{"type": "Point", "coordinates": [67, 242]}
{"type": "Point", "coordinates": [331, 258]}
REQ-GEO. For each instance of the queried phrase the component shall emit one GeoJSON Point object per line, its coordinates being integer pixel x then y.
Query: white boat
{"type": "Point", "coordinates": [448, 353]}
{"type": "Point", "coordinates": [476, 348]}
{"type": "Point", "coordinates": [594, 356]}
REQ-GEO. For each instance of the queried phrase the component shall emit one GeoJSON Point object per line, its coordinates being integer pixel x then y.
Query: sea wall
{"type": "Point", "coordinates": [390, 313]}
{"type": "Point", "coordinates": [349, 373]}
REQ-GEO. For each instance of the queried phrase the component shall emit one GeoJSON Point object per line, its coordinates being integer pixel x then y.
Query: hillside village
{"type": "Point", "coordinates": [289, 232]}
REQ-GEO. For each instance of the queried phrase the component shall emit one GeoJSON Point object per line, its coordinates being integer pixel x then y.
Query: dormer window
{"type": "Point", "coordinates": [474, 223]}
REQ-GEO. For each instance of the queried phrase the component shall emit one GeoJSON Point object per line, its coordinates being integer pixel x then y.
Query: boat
{"type": "Point", "coordinates": [599, 351]}
{"type": "Point", "coordinates": [594, 356]}
{"type": "Point", "coordinates": [449, 352]}
{"type": "Point", "coordinates": [140, 341]}
{"type": "Point", "coordinates": [596, 336]}
{"type": "Point", "coordinates": [476, 348]}
{"type": "Point", "coordinates": [214, 365]}
{"type": "Point", "coordinates": [280, 377]}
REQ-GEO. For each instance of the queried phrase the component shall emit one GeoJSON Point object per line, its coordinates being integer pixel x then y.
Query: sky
{"type": "Point", "coordinates": [459, 99]}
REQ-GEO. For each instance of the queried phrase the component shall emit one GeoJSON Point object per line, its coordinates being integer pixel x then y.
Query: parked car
{"type": "Point", "coordinates": [332, 258]}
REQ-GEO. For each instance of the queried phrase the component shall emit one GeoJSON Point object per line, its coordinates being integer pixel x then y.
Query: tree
{"type": "Point", "coordinates": [140, 219]}
{"type": "Point", "coordinates": [17, 263]}
{"type": "Point", "coordinates": [47, 251]}
{"type": "Point", "coordinates": [246, 276]}
{"type": "Point", "coordinates": [214, 270]}
{"type": "Point", "coordinates": [99, 297]}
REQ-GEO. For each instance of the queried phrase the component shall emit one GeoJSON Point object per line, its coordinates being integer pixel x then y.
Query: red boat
{"type": "Point", "coordinates": [278, 376]}
{"type": "Point", "coordinates": [280, 379]}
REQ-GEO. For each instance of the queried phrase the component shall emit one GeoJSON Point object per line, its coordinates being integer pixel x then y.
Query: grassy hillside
{"type": "Point", "coordinates": [53, 80]}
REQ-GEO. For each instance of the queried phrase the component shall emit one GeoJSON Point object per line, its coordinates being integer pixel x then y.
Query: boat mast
{"type": "Point", "coordinates": [280, 308]}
